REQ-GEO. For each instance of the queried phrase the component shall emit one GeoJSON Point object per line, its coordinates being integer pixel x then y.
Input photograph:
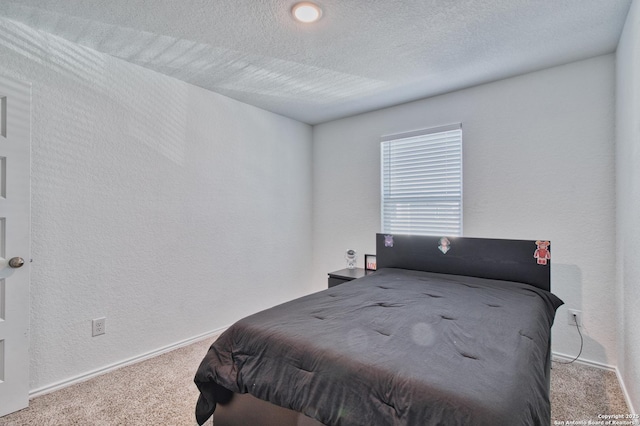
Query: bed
{"type": "Point", "coordinates": [452, 331]}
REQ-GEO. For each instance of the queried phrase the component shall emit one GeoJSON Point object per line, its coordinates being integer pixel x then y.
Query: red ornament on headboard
{"type": "Point", "coordinates": [542, 253]}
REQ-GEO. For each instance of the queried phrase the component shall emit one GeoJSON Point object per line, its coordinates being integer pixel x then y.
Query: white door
{"type": "Point", "coordinates": [15, 220]}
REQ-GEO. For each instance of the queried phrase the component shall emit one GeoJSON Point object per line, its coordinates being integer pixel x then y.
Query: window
{"type": "Point", "coordinates": [422, 182]}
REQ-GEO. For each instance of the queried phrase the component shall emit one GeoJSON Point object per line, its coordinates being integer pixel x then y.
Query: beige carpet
{"type": "Point", "coordinates": [160, 391]}
{"type": "Point", "coordinates": [581, 393]}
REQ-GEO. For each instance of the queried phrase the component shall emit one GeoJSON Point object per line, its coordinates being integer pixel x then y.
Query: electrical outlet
{"type": "Point", "coordinates": [574, 317]}
{"type": "Point", "coordinates": [98, 326]}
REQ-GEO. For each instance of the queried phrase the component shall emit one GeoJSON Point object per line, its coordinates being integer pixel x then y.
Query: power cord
{"type": "Point", "coordinates": [575, 319]}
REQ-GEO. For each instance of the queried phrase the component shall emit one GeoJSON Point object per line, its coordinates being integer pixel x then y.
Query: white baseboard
{"type": "Point", "coordinates": [133, 360]}
{"type": "Point", "coordinates": [625, 393]}
{"type": "Point", "coordinates": [565, 358]}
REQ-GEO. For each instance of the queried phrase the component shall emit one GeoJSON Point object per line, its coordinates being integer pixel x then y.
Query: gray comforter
{"type": "Point", "coordinates": [396, 347]}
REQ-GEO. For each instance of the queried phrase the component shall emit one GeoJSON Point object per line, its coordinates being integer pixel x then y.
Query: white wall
{"type": "Point", "coordinates": [538, 156]}
{"type": "Point", "coordinates": [168, 209]}
{"type": "Point", "coordinates": [628, 202]}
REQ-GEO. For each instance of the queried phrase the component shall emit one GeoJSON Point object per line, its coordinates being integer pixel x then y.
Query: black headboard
{"type": "Point", "coordinates": [525, 261]}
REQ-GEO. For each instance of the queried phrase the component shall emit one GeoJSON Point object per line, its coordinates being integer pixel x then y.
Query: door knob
{"type": "Point", "coordinates": [16, 262]}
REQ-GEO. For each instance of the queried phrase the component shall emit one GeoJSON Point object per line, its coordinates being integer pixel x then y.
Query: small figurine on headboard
{"type": "Point", "coordinates": [445, 245]}
{"type": "Point", "coordinates": [388, 240]}
{"type": "Point", "coordinates": [542, 253]}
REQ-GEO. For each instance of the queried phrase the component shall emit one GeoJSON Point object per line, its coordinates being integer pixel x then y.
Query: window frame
{"type": "Point", "coordinates": [388, 140]}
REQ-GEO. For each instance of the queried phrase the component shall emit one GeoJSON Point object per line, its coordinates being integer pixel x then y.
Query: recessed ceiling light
{"type": "Point", "coordinates": [306, 12]}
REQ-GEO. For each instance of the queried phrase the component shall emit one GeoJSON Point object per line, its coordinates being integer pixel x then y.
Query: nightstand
{"type": "Point", "coordinates": [344, 275]}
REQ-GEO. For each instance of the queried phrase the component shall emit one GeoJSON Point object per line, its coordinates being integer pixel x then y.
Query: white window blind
{"type": "Point", "coordinates": [422, 182]}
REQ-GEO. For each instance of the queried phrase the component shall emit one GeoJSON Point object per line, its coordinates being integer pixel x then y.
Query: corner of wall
{"type": "Point", "coordinates": [627, 205]}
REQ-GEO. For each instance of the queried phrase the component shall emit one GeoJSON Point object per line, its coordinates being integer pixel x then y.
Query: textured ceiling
{"type": "Point", "coordinates": [362, 55]}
